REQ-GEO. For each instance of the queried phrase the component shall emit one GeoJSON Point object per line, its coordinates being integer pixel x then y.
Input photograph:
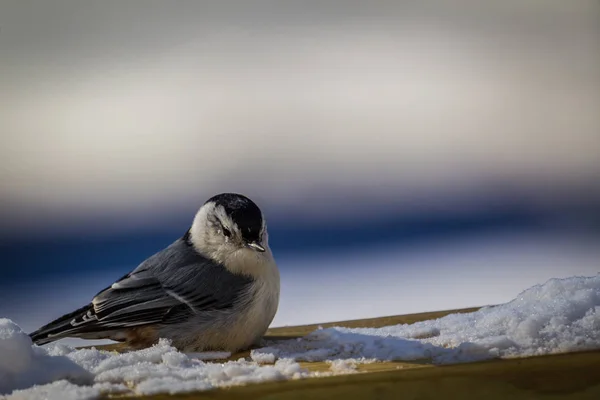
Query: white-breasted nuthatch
{"type": "Point", "coordinates": [215, 288]}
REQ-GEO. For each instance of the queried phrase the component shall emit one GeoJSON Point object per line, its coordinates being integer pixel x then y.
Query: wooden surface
{"type": "Point", "coordinates": [570, 376]}
{"type": "Point", "coordinates": [565, 376]}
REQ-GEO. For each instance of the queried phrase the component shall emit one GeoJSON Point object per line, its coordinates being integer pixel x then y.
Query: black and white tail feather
{"type": "Point", "coordinates": [60, 327]}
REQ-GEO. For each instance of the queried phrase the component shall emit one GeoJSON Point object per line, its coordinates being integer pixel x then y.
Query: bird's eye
{"type": "Point", "coordinates": [226, 232]}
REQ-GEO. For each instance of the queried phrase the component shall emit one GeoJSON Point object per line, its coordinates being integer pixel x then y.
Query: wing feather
{"type": "Point", "coordinates": [170, 287]}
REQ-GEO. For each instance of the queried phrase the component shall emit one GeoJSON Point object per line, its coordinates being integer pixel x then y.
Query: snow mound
{"type": "Point", "coordinates": [23, 365]}
{"type": "Point", "coordinates": [561, 315]}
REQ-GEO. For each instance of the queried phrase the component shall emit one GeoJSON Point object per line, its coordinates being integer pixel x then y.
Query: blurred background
{"type": "Point", "coordinates": [409, 156]}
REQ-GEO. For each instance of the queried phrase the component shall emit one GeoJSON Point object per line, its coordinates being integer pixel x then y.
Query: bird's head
{"type": "Point", "coordinates": [230, 227]}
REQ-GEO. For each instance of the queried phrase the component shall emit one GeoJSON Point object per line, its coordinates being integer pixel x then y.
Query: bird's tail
{"type": "Point", "coordinates": [58, 328]}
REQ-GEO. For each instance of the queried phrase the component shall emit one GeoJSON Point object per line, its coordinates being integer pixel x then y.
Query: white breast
{"type": "Point", "coordinates": [264, 300]}
{"type": "Point", "coordinates": [242, 326]}
{"type": "Point", "coordinates": [262, 303]}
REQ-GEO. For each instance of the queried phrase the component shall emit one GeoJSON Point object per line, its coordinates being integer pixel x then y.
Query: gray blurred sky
{"type": "Point", "coordinates": [124, 106]}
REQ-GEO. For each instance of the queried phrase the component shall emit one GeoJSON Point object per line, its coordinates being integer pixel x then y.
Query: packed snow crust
{"type": "Point", "coordinates": [561, 315]}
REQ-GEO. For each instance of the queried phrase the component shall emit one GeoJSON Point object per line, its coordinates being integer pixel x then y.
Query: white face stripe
{"type": "Point", "coordinates": [226, 220]}
{"type": "Point", "coordinates": [207, 239]}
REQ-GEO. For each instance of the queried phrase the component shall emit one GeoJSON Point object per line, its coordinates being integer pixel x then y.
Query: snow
{"type": "Point", "coordinates": [561, 315]}
{"type": "Point", "coordinates": [23, 365]}
{"type": "Point", "coordinates": [158, 369]}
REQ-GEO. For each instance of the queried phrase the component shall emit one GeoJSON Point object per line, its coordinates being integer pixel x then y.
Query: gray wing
{"type": "Point", "coordinates": [168, 288]}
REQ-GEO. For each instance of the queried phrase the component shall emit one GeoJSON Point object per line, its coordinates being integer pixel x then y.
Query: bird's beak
{"type": "Point", "coordinates": [256, 246]}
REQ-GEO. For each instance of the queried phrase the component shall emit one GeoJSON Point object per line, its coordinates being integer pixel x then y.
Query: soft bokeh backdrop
{"type": "Point", "coordinates": [409, 156]}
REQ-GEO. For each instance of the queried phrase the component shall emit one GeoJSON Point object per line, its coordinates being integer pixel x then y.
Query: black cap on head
{"type": "Point", "coordinates": [244, 213]}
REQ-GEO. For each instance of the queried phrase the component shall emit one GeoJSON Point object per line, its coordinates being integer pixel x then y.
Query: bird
{"type": "Point", "coordinates": [215, 288]}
